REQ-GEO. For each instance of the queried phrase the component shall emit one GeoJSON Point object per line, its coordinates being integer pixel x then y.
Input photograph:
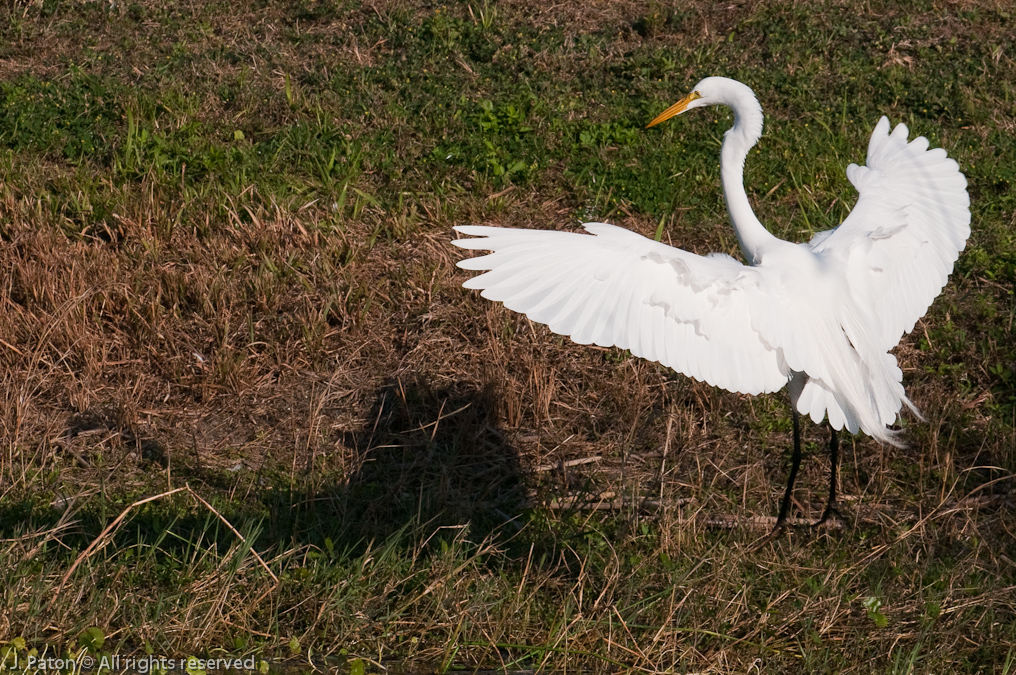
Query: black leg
{"type": "Point", "coordinates": [834, 457]}
{"type": "Point", "coordinates": [795, 463]}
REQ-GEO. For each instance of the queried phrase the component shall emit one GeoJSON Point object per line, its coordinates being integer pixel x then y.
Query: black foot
{"type": "Point", "coordinates": [831, 517]}
{"type": "Point", "coordinates": [781, 530]}
{"type": "Point", "coordinates": [784, 526]}
{"type": "Point", "coordinates": [778, 531]}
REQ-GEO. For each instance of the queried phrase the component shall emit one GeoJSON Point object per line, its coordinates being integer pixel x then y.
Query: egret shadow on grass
{"type": "Point", "coordinates": [428, 463]}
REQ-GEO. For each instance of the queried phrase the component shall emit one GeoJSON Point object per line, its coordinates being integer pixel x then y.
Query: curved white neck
{"type": "Point", "coordinates": [737, 141]}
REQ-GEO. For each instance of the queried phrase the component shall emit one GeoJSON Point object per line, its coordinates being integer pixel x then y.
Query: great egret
{"type": "Point", "coordinates": [817, 317]}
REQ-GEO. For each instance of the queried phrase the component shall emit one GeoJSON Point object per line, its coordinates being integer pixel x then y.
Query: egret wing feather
{"type": "Point", "coordinates": [828, 311]}
{"type": "Point", "coordinates": [899, 243]}
{"type": "Point", "coordinates": [613, 287]}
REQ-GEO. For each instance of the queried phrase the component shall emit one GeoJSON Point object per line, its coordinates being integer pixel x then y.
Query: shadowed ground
{"type": "Point", "coordinates": [225, 264]}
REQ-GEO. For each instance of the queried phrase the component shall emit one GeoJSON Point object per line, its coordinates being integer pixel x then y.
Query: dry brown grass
{"type": "Point", "coordinates": [145, 360]}
{"type": "Point", "coordinates": [431, 477]}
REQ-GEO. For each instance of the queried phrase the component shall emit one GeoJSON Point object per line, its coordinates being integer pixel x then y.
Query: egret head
{"type": "Point", "coordinates": [710, 91]}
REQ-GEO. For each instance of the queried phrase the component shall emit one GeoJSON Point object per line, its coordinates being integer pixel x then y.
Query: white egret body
{"type": "Point", "coordinates": [819, 316]}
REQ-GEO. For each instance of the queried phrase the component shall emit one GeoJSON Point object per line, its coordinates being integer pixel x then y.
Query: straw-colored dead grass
{"type": "Point", "coordinates": [428, 476]}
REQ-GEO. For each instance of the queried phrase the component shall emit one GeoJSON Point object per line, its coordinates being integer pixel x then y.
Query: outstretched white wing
{"type": "Point", "coordinates": [617, 288]}
{"type": "Point", "coordinates": [910, 223]}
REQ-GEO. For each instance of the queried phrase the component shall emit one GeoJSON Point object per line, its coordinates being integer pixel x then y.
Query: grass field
{"type": "Point", "coordinates": [226, 285]}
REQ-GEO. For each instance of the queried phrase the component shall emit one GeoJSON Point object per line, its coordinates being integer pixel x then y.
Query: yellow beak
{"type": "Point", "coordinates": [675, 109]}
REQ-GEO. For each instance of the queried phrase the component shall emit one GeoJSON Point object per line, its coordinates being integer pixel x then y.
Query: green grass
{"type": "Point", "coordinates": [225, 264]}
